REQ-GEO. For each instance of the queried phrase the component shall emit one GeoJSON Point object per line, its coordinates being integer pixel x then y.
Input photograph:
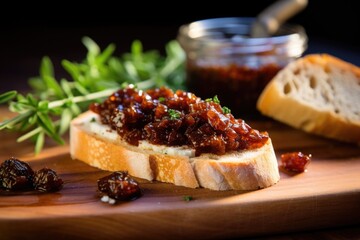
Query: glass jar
{"type": "Point", "coordinates": [223, 60]}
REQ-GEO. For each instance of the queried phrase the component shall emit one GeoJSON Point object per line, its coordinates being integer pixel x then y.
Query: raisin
{"type": "Point", "coordinates": [295, 161]}
{"type": "Point", "coordinates": [16, 174]}
{"type": "Point", "coordinates": [120, 186]}
{"type": "Point", "coordinates": [46, 180]}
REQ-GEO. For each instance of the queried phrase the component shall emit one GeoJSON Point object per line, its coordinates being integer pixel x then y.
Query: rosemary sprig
{"type": "Point", "coordinates": [48, 109]}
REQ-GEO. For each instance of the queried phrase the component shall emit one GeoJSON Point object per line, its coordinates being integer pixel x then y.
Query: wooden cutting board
{"type": "Point", "coordinates": [327, 195]}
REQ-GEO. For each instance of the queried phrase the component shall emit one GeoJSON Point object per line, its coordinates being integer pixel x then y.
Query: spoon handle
{"type": "Point", "coordinates": [270, 19]}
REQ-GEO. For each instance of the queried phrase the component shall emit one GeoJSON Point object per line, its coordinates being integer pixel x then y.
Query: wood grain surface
{"type": "Point", "coordinates": [327, 195]}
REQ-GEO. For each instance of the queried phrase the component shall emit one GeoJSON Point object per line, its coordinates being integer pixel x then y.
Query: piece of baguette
{"type": "Point", "coordinates": [319, 94]}
{"type": "Point", "coordinates": [99, 146]}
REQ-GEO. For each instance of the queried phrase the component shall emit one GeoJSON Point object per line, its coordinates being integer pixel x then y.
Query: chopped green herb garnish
{"type": "Point", "coordinates": [93, 120]}
{"type": "Point", "coordinates": [161, 99]}
{"type": "Point", "coordinates": [174, 114]}
{"type": "Point", "coordinates": [226, 110]}
{"type": "Point", "coordinates": [188, 198]}
{"type": "Point", "coordinates": [215, 99]}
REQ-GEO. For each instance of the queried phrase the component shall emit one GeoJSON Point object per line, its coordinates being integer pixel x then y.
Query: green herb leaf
{"type": "Point", "coordinates": [40, 140]}
{"type": "Point", "coordinates": [7, 96]}
{"type": "Point", "coordinates": [106, 54]}
{"type": "Point", "coordinates": [37, 84]}
{"type": "Point", "coordinates": [46, 67]}
{"type": "Point", "coordinates": [188, 198]}
{"type": "Point", "coordinates": [29, 134]}
{"type": "Point", "coordinates": [65, 119]}
{"type": "Point", "coordinates": [226, 110]}
{"type": "Point", "coordinates": [65, 85]}
{"type": "Point", "coordinates": [47, 74]}
{"type": "Point", "coordinates": [46, 123]}
{"type": "Point", "coordinates": [72, 69]}
{"type": "Point", "coordinates": [43, 106]}
{"type": "Point", "coordinates": [92, 47]}
{"type": "Point", "coordinates": [10, 123]}
{"type": "Point", "coordinates": [174, 114]}
{"type": "Point", "coordinates": [215, 99]}
{"type": "Point", "coordinates": [136, 50]}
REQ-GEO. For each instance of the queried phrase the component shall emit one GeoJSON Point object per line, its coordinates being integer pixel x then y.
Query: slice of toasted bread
{"type": "Point", "coordinates": [319, 94]}
{"type": "Point", "coordinates": [99, 146]}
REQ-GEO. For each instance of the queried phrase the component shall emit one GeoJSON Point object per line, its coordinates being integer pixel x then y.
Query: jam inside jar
{"type": "Point", "coordinates": [223, 60]}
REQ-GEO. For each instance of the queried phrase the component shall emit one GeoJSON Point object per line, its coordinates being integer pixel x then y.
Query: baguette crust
{"type": "Point", "coordinates": [246, 170]}
{"type": "Point", "coordinates": [301, 113]}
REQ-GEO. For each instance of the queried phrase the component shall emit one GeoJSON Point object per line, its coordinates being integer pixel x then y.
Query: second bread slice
{"type": "Point", "coordinates": [319, 94]}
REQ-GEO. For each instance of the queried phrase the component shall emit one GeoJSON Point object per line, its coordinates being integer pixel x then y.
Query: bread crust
{"type": "Point", "coordinates": [273, 102]}
{"type": "Point", "coordinates": [246, 170]}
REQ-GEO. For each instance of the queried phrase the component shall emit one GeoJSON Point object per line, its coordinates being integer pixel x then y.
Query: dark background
{"type": "Point", "coordinates": [30, 32]}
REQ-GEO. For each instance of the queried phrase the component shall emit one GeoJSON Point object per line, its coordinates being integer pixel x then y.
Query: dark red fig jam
{"type": "Point", "coordinates": [295, 161]}
{"type": "Point", "coordinates": [237, 86]}
{"type": "Point", "coordinates": [161, 116]}
{"type": "Point", "coordinates": [120, 186]}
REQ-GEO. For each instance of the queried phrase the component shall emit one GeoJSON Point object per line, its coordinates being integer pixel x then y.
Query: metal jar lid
{"type": "Point", "coordinates": [232, 36]}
